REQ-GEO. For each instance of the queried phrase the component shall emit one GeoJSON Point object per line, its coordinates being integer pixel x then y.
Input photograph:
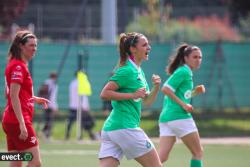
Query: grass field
{"type": "Point", "coordinates": [78, 154]}
{"type": "Point", "coordinates": [216, 127]}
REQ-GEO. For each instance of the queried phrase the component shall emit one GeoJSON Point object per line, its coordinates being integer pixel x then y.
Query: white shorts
{"type": "Point", "coordinates": [132, 143]}
{"type": "Point", "coordinates": [178, 128]}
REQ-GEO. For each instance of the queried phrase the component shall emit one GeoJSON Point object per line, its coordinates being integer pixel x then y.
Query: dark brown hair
{"type": "Point", "coordinates": [20, 38]}
{"type": "Point", "coordinates": [126, 41]}
{"type": "Point", "coordinates": [178, 59]}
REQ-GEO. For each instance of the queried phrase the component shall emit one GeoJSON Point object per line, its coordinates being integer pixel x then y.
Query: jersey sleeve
{"type": "Point", "coordinates": [176, 79]}
{"type": "Point", "coordinates": [121, 77]}
{"type": "Point", "coordinates": [17, 74]}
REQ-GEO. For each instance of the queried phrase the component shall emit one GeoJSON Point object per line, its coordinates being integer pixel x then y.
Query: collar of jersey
{"type": "Point", "coordinates": [189, 69]}
{"type": "Point", "coordinates": [133, 64]}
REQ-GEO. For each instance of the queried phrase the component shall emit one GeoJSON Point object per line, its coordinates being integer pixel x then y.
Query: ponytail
{"type": "Point", "coordinates": [177, 60]}
{"type": "Point", "coordinates": [126, 41]}
{"type": "Point", "coordinates": [123, 47]}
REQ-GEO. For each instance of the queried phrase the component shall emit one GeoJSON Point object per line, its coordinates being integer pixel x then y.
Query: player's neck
{"type": "Point", "coordinates": [135, 61]}
{"type": "Point", "coordinates": [24, 59]}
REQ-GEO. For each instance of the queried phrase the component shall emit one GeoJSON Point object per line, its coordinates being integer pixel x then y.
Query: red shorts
{"type": "Point", "coordinates": [12, 136]}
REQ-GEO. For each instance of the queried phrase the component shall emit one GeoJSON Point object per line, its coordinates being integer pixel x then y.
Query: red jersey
{"type": "Point", "coordinates": [17, 72]}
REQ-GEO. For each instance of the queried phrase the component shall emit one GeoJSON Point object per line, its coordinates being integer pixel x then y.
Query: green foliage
{"type": "Point", "coordinates": [158, 26]}
{"type": "Point", "coordinates": [244, 26]}
{"type": "Point", "coordinates": [144, 25]}
{"type": "Point", "coordinates": [173, 30]}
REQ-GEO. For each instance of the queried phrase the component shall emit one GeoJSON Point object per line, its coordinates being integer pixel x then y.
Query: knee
{"type": "Point", "coordinates": [160, 165]}
{"type": "Point", "coordinates": [198, 154]}
{"type": "Point", "coordinates": [163, 158]}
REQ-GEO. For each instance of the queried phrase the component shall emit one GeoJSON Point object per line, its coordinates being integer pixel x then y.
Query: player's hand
{"type": "Point", "coordinates": [188, 107]}
{"type": "Point", "coordinates": [140, 93]}
{"type": "Point", "coordinates": [200, 89]}
{"type": "Point", "coordinates": [156, 80]}
{"type": "Point", "coordinates": [40, 100]}
{"type": "Point", "coordinates": [23, 132]}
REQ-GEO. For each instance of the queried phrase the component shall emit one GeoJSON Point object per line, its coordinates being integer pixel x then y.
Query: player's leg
{"type": "Point", "coordinates": [31, 145]}
{"type": "Point", "coordinates": [50, 122]}
{"type": "Point", "coordinates": [108, 162]}
{"type": "Point", "coordinates": [135, 144]}
{"type": "Point", "coordinates": [150, 159]}
{"type": "Point", "coordinates": [110, 153]}
{"type": "Point", "coordinates": [15, 144]}
{"type": "Point", "coordinates": [166, 145]}
{"type": "Point", "coordinates": [192, 141]}
{"type": "Point", "coordinates": [15, 163]}
{"type": "Point", "coordinates": [36, 161]}
{"type": "Point", "coordinates": [88, 124]}
{"type": "Point", "coordinates": [46, 122]}
{"type": "Point", "coordinates": [91, 134]}
{"type": "Point", "coordinates": [71, 119]}
{"type": "Point", "coordinates": [167, 140]}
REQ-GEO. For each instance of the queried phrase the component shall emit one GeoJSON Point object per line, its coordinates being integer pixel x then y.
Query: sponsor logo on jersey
{"type": "Point", "coordinates": [188, 94]}
{"type": "Point", "coordinates": [16, 75]}
{"type": "Point", "coordinates": [33, 139]}
{"type": "Point", "coordinates": [148, 144]}
{"type": "Point", "coordinates": [18, 67]}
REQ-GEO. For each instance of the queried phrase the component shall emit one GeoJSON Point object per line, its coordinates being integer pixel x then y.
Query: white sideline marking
{"type": "Point", "coordinates": [69, 152]}
{"type": "Point", "coordinates": [65, 152]}
{"type": "Point", "coordinates": [219, 140]}
{"type": "Point", "coordinates": [213, 141]}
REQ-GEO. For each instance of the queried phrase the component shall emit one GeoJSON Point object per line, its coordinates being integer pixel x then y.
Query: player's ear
{"type": "Point", "coordinates": [21, 46]}
{"type": "Point", "coordinates": [132, 50]}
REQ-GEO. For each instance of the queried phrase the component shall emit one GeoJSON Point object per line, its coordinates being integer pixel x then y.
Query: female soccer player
{"type": "Point", "coordinates": [17, 117]}
{"type": "Point", "coordinates": [176, 119]}
{"type": "Point", "coordinates": [121, 134]}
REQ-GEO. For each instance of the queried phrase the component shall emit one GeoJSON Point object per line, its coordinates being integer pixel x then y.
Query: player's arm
{"type": "Point", "coordinates": [14, 97]}
{"type": "Point", "coordinates": [153, 93]}
{"type": "Point", "coordinates": [109, 93]}
{"type": "Point", "coordinates": [167, 91]}
{"type": "Point", "coordinates": [198, 90]}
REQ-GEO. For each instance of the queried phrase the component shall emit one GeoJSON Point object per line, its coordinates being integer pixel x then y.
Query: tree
{"type": "Point", "coordinates": [158, 26]}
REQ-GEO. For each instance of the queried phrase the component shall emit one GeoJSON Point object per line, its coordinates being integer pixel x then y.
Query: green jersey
{"type": "Point", "coordinates": [181, 83]}
{"type": "Point", "coordinates": [126, 113]}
